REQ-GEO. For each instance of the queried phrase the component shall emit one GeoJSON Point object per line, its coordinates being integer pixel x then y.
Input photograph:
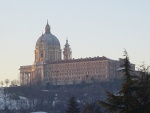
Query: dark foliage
{"type": "Point", "coordinates": [92, 108]}
{"type": "Point", "coordinates": [72, 106]}
{"type": "Point", "coordinates": [134, 96]}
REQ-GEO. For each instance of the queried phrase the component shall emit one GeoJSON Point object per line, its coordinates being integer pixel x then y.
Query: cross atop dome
{"type": "Point", "coordinates": [47, 22]}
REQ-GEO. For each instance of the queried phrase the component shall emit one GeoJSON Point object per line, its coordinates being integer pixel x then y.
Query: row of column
{"type": "Point", "coordinates": [26, 78]}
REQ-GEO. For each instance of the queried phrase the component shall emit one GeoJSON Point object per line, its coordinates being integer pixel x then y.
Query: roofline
{"type": "Point", "coordinates": [77, 60]}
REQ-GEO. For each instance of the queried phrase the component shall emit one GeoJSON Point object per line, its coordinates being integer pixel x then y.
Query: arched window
{"type": "Point", "coordinates": [41, 54]}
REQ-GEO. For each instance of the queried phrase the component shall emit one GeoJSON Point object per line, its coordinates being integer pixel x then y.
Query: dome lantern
{"type": "Point", "coordinates": [47, 28]}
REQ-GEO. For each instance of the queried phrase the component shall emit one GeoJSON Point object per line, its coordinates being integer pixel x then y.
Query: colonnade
{"type": "Point", "coordinates": [26, 78]}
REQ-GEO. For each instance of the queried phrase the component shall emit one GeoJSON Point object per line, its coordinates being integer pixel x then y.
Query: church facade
{"type": "Point", "coordinates": [50, 67]}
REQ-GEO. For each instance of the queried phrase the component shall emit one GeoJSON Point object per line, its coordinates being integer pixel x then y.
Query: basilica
{"type": "Point", "coordinates": [50, 67]}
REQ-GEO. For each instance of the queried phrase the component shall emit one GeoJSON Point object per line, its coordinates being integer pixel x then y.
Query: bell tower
{"type": "Point", "coordinates": [67, 53]}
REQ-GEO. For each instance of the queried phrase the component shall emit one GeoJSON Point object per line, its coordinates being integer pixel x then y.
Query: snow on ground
{"type": "Point", "coordinates": [5, 100]}
{"type": "Point", "coordinates": [39, 112]}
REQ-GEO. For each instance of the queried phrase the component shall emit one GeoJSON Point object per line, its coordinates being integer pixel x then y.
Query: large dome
{"type": "Point", "coordinates": [47, 38]}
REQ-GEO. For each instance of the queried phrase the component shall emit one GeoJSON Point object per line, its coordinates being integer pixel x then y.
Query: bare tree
{"type": "Point", "coordinates": [14, 83]}
{"type": "Point", "coordinates": [1, 83]}
{"type": "Point", "coordinates": [7, 82]}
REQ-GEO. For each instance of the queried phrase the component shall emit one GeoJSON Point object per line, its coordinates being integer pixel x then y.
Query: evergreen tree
{"type": "Point", "coordinates": [72, 106]}
{"type": "Point", "coordinates": [143, 90]}
{"type": "Point", "coordinates": [127, 100]}
{"type": "Point", "coordinates": [91, 108]}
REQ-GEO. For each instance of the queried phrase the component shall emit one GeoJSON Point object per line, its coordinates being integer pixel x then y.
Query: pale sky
{"type": "Point", "coordinates": [93, 27]}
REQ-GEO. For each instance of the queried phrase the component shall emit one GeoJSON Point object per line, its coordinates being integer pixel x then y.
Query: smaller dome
{"type": "Point", "coordinates": [67, 45]}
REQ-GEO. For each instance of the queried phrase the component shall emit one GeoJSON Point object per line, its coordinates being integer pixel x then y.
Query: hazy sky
{"type": "Point", "coordinates": [93, 27]}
